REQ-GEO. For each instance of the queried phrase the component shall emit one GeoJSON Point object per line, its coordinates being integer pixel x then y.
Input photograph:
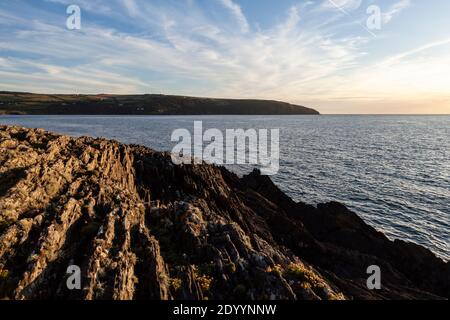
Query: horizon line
{"type": "Point", "coordinates": [222, 98]}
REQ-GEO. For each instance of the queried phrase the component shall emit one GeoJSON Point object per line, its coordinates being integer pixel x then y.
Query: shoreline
{"type": "Point", "coordinates": [232, 115]}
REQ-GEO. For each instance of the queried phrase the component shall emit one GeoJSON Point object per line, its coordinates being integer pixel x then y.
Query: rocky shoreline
{"type": "Point", "coordinates": [140, 227]}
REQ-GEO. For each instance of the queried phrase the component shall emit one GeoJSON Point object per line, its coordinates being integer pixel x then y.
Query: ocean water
{"type": "Point", "coordinates": [394, 171]}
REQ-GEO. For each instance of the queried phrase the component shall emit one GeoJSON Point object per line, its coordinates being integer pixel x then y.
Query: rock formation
{"type": "Point", "coordinates": [140, 227]}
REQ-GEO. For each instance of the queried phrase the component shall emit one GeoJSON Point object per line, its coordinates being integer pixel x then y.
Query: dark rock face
{"type": "Point", "coordinates": [140, 227]}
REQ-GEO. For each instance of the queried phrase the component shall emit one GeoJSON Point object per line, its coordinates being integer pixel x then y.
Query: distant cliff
{"type": "Point", "coordinates": [140, 227]}
{"type": "Point", "coordinates": [151, 104]}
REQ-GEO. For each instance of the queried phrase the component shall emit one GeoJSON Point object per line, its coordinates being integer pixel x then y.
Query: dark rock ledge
{"type": "Point", "coordinates": [141, 228]}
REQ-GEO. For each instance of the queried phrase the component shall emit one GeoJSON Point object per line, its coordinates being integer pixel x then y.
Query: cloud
{"type": "Point", "coordinates": [89, 5]}
{"type": "Point", "coordinates": [395, 9]}
{"type": "Point", "coordinates": [131, 7]}
{"type": "Point", "coordinates": [415, 75]}
{"type": "Point", "coordinates": [342, 5]}
{"type": "Point", "coordinates": [415, 51]}
{"type": "Point", "coordinates": [50, 78]}
{"type": "Point", "coordinates": [237, 13]}
{"type": "Point", "coordinates": [191, 55]}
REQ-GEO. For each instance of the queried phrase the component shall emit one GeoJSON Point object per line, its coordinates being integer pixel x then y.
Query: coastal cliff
{"type": "Point", "coordinates": [147, 104]}
{"type": "Point", "coordinates": [140, 227]}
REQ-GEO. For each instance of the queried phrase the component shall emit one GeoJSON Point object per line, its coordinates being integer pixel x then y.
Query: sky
{"type": "Point", "coordinates": [337, 56]}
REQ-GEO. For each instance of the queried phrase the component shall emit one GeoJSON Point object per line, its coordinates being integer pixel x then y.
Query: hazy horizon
{"type": "Point", "coordinates": [327, 55]}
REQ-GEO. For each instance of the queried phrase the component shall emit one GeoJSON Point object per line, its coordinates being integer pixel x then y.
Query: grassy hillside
{"type": "Point", "coordinates": [105, 104]}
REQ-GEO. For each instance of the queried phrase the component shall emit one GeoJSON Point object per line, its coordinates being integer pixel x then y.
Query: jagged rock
{"type": "Point", "coordinates": [140, 227]}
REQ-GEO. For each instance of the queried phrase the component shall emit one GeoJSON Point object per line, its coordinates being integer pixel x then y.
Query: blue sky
{"type": "Point", "coordinates": [316, 53]}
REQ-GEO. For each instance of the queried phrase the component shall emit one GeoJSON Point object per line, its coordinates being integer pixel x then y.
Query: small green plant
{"type": "Point", "coordinates": [307, 279]}
{"type": "Point", "coordinates": [337, 296]}
{"type": "Point", "coordinates": [230, 267]}
{"type": "Point", "coordinates": [175, 284]}
{"type": "Point", "coordinates": [300, 272]}
{"type": "Point", "coordinates": [305, 285]}
{"type": "Point", "coordinates": [4, 274]}
{"type": "Point", "coordinates": [276, 270]}
{"type": "Point", "coordinates": [205, 282]}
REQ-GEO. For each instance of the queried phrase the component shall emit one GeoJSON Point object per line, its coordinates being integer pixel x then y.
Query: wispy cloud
{"type": "Point", "coordinates": [399, 57]}
{"type": "Point", "coordinates": [237, 12]}
{"type": "Point", "coordinates": [131, 7]}
{"type": "Point", "coordinates": [99, 7]}
{"type": "Point", "coordinates": [414, 75]}
{"type": "Point", "coordinates": [346, 5]}
{"type": "Point", "coordinates": [395, 9]}
{"type": "Point", "coordinates": [196, 51]}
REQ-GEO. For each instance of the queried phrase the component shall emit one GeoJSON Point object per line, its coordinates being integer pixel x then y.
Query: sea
{"type": "Point", "coordinates": [393, 171]}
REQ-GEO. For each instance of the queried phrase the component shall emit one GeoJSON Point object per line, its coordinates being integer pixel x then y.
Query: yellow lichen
{"type": "Point", "coordinates": [276, 270]}
{"type": "Point", "coordinates": [205, 282]}
{"type": "Point", "coordinates": [175, 284]}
